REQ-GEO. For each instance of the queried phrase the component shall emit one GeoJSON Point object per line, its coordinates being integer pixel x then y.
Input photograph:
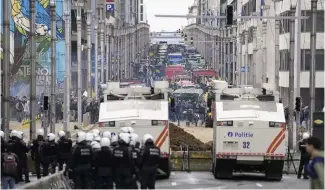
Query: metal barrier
{"type": "Point", "coordinates": [54, 181]}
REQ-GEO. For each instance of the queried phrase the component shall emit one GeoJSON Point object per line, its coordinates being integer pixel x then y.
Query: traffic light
{"type": "Point", "coordinates": [263, 91]}
{"type": "Point", "coordinates": [191, 40]}
{"type": "Point", "coordinates": [298, 103]}
{"type": "Point", "coordinates": [45, 103]}
{"type": "Point", "coordinates": [185, 37]}
{"type": "Point", "coordinates": [230, 14]}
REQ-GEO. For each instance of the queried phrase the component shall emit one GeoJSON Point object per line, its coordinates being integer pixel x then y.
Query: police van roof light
{"type": "Point", "coordinates": [225, 123]}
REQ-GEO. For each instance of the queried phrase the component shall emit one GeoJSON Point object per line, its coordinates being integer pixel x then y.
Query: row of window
{"type": "Point", "coordinates": [249, 8]}
{"type": "Point", "coordinates": [305, 60]}
{"type": "Point", "coordinates": [306, 24]}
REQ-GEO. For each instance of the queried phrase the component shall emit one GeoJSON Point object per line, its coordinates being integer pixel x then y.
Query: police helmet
{"type": "Point", "coordinates": [95, 146]}
{"type": "Point", "coordinates": [2, 134]}
{"type": "Point", "coordinates": [97, 138]}
{"type": "Point", "coordinates": [125, 137]}
{"type": "Point", "coordinates": [61, 134]}
{"type": "Point", "coordinates": [40, 132]}
{"type": "Point", "coordinates": [13, 133]}
{"type": "Point", "coordinates": [130, 130]}
{"type": "Point", "coordinates": [305, 135]}
{"type": "Point", "coordinates": [124, 130]}
{"type": "Point", "coordinates": [96, 132]}
{"type": "Point", "coordinates": [20, 134]}
{"type": "Point", "coordinates": [89, 136]}
{"type": "Point", "coordinates": [93, 142]}
{"type": "Point", "coordinates": [81, 136]}
{"type": "Point", "coordinates": [105, 142]}
{"type": "Point", "coordinates": [134, 139]}
{"type": "Point", "coordinates": [147, 137]}
{"type": "Point", "coordinates": [114, 139]}
{"type": "Point", "coordinates": [107, 134]}
{"type": "Point", "coordinates": [51, 137]}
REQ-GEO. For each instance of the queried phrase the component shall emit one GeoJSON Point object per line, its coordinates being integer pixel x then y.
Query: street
{"type": "Point", "coordinates": [205, 180]}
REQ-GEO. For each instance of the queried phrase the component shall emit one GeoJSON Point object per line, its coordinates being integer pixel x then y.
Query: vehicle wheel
{"type": "Point", "coordinates": [224, 169]}
{"type": "Point", "coordinates": [273, 169]}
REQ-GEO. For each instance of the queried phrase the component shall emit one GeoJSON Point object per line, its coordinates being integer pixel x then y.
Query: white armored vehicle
{"type": "Point", "coordinates": [144, 109]}
{"type": "Point", "coordinates": [249, 133]}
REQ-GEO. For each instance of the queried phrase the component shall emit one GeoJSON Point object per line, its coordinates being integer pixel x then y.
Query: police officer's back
{"type": "Point", "coordinates": [149, 160]}
{"type": "Point", "coordinates": [122, 159]}
{"type": "Point", "coordinates": [21, 150]}
{"type": "Point", "coordinates": [50, 151]}
{"type": "Point", "coordinates": [103, 165]}
{"type": "Point", "coordinates": [35, 151]}
{"type": "Point", "coordinates": [80, 162]}
{"type": "Point", "coordinates": [135, 156]}
{"type": "Point", "coordinates": [65, 146]}
{"type": "Point", "coordinates": [304, 157]}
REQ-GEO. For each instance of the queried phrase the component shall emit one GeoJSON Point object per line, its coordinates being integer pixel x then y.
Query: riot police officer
{"type": "Point", "coordinates": [114, 141]}
{"type": "Point", "coordinates": [304, 157]}
{"type": "Point", "coordinates": [89, 137]}
{"type": "Point", "coordinates": [103, 165]}
{"type": "Point", "coordinates": [21, 150]}
{"type": "Point", "coordinates": [122, 160]}
{"type": "Point", "coordinates": [80, 162]}
{"type": "Point", "coordinates": [149, 160]}
{"type": "Point", "coordinates": [65, 146]}
{"type": "Point", "coordinates": [35, 153]}
{"type": "Point", "coordinates": [107, 134]}
{"type": "Point", "coordinates": [135, 156]}
{"type": "Point", "coordinates": [50, 153]}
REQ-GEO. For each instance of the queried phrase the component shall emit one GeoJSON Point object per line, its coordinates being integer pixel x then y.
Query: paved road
{"type": "Point", "coordinates": [205, 180]}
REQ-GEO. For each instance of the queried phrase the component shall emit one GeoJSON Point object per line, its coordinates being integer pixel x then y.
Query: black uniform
{"type": "Point", "coordinates": [3, 145]}
{"type": "Point", "coordinates": [123, 166]}
{"type": "Point", "coordinates": [35, 154]}
{"type": "Point", "coordinates": [20, 148]}
{"type": "Point", "coordinates": [80, 162]}
{"type": "Point", "coordinates": [149, 160]}
{"type": "Point", "coordinates": [135, 157]}
{"type": "Point", "coordinates": [65, 146]}
{"type": "Point", "coordinates": [304, 159]}
{"type": "Point", "coordinates": [103, 168]}
{"type": "Point", "coordinates": [50, 151]}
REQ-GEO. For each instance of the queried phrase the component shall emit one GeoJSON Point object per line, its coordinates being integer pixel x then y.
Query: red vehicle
{"type": "Point", "coordinates": [198, 73]}
{"type": "Point", "coordinates": [173, 70]}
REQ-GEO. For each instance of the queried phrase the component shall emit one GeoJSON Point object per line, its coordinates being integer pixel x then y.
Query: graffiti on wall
{"type": "Point", "coordinates": [20, 42]}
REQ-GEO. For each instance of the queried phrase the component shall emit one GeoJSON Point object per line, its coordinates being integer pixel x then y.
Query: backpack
{"type": "Point", "coordinates": [9, 164]}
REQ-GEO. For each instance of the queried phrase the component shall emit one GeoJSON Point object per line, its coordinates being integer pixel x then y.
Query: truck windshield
{"type": "Point", "coordinates": [249, 105]}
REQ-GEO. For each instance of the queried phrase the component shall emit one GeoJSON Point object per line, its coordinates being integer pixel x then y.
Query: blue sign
{"type": "Point", "coordinates": [240, 134]}
{"type": "Point", "coordinates": [110, 8]}
{"type": "Point", "coordinates": [243, 69]}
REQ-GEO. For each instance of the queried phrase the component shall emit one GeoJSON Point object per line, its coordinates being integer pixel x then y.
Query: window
{"type": "Point", "coordinates": [141, 9]}
{"type": "Point", "coordinates": [306, 25]}
{"type": "Point", "coordinates": [284, 60]}
{"type": "Point", "coordinates": [141, 18]}
{"type": "Point", "coordinates": [141, 1]}
{"type": "Point", "coordinates": [250, 35]}
{"type": "Point", "coordinates": [284, 24]}
{"type": "Point", "coordinates": [306, 60]}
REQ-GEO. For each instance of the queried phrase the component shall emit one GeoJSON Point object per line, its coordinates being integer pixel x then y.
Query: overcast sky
{"type": "Point", "coordinates": [167, 7]}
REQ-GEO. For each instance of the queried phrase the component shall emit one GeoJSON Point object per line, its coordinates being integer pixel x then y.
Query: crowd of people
{"type": "Point", "coordinates": [96, 160]}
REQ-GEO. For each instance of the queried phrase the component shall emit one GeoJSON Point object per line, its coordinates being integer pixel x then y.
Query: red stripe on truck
{"type": "Point", "coordinates": [163, 139]}
{"type": "Point", "coordinates": [275, 140]}
{"type": "Point", "coordinates": [160, 136]}
{"type": "Point", "coordinates": [278, 143]}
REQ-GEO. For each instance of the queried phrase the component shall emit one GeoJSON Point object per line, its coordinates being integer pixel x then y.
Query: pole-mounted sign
{"type": "Point", "coordinates": [110, 6]}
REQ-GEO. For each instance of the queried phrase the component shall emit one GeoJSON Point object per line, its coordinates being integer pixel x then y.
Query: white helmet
{"type": "Point", "coordinates": [305, 135]}
{"type": "Point", "coordinates": [125, 137]}
{"type": "Point", "coordinates": [93, 142]}
{"type": "Point", "coordinates": [134, 139]}
{"type": "Point", "coordinates": [124, 130]}
{"type": "Point", "coordinates": [97, 138]}
{"type": "Point", "coordinates": [147, 137]}
{"type": "Point", "coordinates": [13, 133]}
{"type": "Point", "coordinates": [89, 136]}
{"type": "Point", "coordinates": [2, 134]}
{"type": "Point", "coordinates": [130, 130]}
{"type": "Point", "coordinates": [96, 132]}
{"type": "Point", "coordinates": [107, 134]}
{"type": "Point", "coordinates": [81, 136]}
{"type": "Point", "coordinates": [114, 139]}
{"type": "Point", "coordinates": [40, 132]}
{"type": "Point", "coordinates": [95, 146]}
{"type": "Point", "coordinates": [105, 142]}
{"type": "Point", "coordinates": [51, 137]}
{"type": "Point", "coordinates": [20, 134]}
{"type": "Point", "coordinates": [61, 134]}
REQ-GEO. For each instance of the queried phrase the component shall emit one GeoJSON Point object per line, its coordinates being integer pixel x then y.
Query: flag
{"type": "Point", "coordinates": [261, 10]}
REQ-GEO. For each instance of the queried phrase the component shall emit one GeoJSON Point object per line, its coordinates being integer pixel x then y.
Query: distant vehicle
{"type": "Point", "coordinates": [175, 58]}
{"type": "Point", "coordinates": [193, 94]}
{"type": "Point", "coordinates": [199, 73]}
{"type": "Point", "coordinates": [173, 70]}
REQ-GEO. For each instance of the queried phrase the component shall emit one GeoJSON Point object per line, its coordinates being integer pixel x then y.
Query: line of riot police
{"type": "Point", "coordinates": [106, 161]}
